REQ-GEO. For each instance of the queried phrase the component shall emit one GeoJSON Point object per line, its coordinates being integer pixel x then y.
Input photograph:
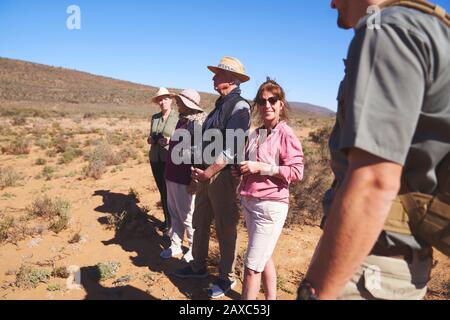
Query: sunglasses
{"type": "Point", "coordinates": [263, 102]}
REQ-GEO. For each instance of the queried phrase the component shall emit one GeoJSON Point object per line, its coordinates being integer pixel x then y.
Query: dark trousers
{"type": "Point", "coordinates": [158, 169]}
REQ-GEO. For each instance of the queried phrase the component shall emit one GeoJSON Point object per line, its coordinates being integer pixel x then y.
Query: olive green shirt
{"type": "Point", "coordinates": [394, 101]}
{"type": "Point", "coordinates": [166, 128]}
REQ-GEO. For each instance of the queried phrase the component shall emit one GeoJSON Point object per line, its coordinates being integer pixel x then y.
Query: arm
{"type": "Point", "coordinates": [291, 166]}
{"type": "Point", "coordinates": [206, 175]}
{"type": "Point", "coordinates": [357, 217]}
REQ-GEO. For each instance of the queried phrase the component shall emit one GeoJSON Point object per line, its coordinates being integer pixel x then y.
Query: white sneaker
{"type": "Point", "coordinates": [220, 288]}
{"type": "Point", "coordinates": [188, 257]}
{"type": "Point", "coordinates": [171, 252]}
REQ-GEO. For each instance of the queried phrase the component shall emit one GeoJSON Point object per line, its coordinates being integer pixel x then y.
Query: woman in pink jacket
{"type": "Point", "coordinates": [274, 160]}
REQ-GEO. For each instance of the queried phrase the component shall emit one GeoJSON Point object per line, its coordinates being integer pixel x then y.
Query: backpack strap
{"type": "Point", "coordinates": [421, 5]}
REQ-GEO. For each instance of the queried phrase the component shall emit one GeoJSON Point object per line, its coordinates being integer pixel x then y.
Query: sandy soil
{"type": "Point", "coordinates": [92, 202]}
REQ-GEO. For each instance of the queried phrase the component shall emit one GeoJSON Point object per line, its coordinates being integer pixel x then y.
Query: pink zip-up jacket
{"type": "Point", "coordinates": [281, 148]}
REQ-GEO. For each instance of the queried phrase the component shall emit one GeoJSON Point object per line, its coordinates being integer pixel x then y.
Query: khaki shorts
{"type": "Point", "coordinates": [383, 278]}
{"type": "Point", "coordinates": [265, 221]}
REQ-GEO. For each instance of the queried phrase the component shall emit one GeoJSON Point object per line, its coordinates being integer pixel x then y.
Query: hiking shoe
{"type": "Point", "coordinates": [187, 273]}
{"type": "Point", "coordinates": [188, 257]}
{"type": "Point", "coordinates": [220, 288]}
{"type": "Point", "coordinates": [171, 252]}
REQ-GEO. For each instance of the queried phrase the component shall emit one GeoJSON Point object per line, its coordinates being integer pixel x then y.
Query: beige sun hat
{"type": "Point", "coordinates": [190, 98]}
{"type": "Point", "coordinates": [232, 65]}
{"type": "Point", "coordinates": [161, 93]}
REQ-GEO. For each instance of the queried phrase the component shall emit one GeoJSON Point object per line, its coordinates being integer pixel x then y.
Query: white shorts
{"type": "Point", "coordinates": [265, 221]}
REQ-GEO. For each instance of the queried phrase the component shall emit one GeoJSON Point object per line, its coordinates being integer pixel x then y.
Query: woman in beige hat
{"type": "Point", "coordinates": [162, 127]}
{"type": "Point", "coordinates": [180, 201]}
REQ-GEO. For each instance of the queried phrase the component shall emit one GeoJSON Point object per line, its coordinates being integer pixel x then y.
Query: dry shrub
{"type": "Point", "coordinates": [6, 224]}
{"type": "Point", "coordinates": [95, 169]}
{"type": "Point", "coordinates": [13, 231]}
{"type": "Point", "coordinates": [103, 156]}
{"type": "Point", "coordinates": [43, 142]}
{"type": "Point", "coordinates": [9, 177]}
{"type": "Point", "coordinates": [306, 196]}
{"type": "Point", "coordinates": [60, 143]}
{"type": "Point", "coordinates": [19, 120]}
{"type": "Point", "coordinates": [56, 211]}
{"type": "Point", "coordinates": [19, 146]}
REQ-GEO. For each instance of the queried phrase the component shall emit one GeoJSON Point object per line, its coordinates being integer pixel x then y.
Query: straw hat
{"type": "Point", "coordinates": [190, 98]}
{"type": "Point", "coordinates": [161, 93]}
{"type": "Point", "coordinates": [233, 66]}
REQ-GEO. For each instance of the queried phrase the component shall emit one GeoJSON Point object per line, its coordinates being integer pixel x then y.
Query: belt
{"type": "Point", "coordinates": [398, 252]}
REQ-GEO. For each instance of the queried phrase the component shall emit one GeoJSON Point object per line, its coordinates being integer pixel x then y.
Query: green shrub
{"type": "Point", "coordinates": [105, 271]}
{"type": "Point", "coordinates": [43, 143]}
{"type": "Point", "coordinates": [41, 162]}
{"type": "Point", "coordinates": [47, 173]}
{"type": "Point", "coordinates": [53, 287]}
{"type": "Point", "coordinates": [69, 155]}
{"type": "Point", "coordinates": [28, 277]}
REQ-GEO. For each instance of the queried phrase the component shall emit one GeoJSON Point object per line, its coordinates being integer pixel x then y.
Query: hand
{"type": "Point", "coordinates": [193, 187]}
{"type": "Point", "coordinates": [236, 171]}
{"type": "Point", "coordinates": [250, 167]}
{"type": "Point", "coordinates": [150, 141]}
{"type": "Point", "coordinates": [164, 142]}
{"type": "Point", "coordinates": [200, 175]}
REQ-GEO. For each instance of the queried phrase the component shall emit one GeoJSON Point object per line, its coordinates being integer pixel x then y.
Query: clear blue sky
{"type": "Point", "coordinates": [170, 43]}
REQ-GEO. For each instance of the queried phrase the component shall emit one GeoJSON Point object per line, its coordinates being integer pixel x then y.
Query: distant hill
{"type": "Point", "coordinates": [31, 85]}
{"type": "Point", "coordinates": [310, 108]}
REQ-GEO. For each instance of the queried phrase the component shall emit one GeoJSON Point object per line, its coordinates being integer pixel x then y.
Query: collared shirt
{"type": "Point", "coordinates": [164, 127]}
{"type": "Point", "coordinates": [394, 101]}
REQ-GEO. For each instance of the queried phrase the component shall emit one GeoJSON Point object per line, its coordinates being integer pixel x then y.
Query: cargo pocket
{"type": "Point", "coordinates": [391, 280]}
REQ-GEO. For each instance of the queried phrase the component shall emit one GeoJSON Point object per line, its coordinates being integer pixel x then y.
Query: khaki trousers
{"type": "Point", "coordinates": [217, 200]}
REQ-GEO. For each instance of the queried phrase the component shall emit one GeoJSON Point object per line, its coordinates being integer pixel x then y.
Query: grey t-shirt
{"type": "Point", "coordinates": [394, 101]}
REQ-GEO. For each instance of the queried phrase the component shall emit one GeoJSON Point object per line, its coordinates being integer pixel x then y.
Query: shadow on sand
{"type": "Point", "coordinates": [136, 231]}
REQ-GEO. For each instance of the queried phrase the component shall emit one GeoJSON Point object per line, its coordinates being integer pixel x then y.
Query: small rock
{"type": "Point", "coordinates": [35, 242]}
{"type": "Point", "coordinates": [123, 280]}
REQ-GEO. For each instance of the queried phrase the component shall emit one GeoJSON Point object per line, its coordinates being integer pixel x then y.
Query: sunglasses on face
{"type": "Point", "coordinates": [263, 102]}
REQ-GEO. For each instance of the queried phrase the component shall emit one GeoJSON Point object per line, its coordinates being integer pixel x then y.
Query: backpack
{"type": "Point", "coordinates": [427, 217]}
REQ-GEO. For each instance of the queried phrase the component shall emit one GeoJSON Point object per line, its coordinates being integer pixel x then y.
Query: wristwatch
{"type": "Point", "coordinates": [306, 291]}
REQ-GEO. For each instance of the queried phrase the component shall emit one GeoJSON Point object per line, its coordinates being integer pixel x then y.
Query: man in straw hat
{"type": "Point", "coordinates": [217, 189]}
{"type": "Point", "coordinates": [391, 135]}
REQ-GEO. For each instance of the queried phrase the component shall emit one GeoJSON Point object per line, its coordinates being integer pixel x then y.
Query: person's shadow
{"type": "Point", "coordinates": [90, 280]}
{"type": "Point", "coordinates": [136, 231]}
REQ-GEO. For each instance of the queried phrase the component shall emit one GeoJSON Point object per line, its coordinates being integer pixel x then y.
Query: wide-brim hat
{"type": "Point", "coordinates": [190, 98]}
{"type": "Point", "coordinates": [233, 66]}
{"type": "Point", "coordinates": [161, 93]}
